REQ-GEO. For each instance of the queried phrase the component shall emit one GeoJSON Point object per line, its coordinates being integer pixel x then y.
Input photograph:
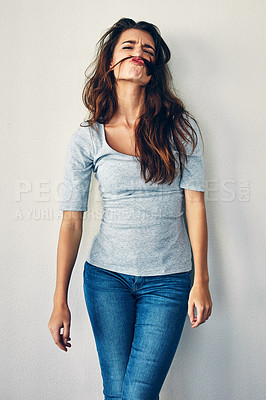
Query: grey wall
{"type": "Point", "coordinates": [218, 64]}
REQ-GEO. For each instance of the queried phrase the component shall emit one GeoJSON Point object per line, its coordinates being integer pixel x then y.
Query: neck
{"type": "Point", "coordinates": [130, 97]}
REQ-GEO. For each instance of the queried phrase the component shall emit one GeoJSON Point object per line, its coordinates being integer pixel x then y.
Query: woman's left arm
{"type": "Point", "coordinates": [198, 233]}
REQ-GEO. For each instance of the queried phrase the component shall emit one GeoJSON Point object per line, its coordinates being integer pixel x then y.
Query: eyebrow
{"type": "Point", "coordinates": [133, 41]}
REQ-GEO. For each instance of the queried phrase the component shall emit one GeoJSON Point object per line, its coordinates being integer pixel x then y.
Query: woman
{"type": "Point", "coordinates": [146, 152]}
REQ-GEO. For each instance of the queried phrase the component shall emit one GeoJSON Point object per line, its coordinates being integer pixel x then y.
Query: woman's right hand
{"type": "Point", "coordinates": [60, 318]}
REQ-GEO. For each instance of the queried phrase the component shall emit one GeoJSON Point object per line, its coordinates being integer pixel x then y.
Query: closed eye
{"type": "Point", "coordinates": [146, 51]}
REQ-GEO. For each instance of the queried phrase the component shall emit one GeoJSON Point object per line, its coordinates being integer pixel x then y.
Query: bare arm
{"type": "Point", "coordinates": [197, 228]}
{"type": "Point", "coordinates": [68, 244]}
{"type": "Point", "coordinates": [67, 250]}
{"type": "Point", "coordinates": [198, 234]}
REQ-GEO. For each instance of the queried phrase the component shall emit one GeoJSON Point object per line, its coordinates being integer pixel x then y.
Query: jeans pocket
{"type": "Point", "coordinates": [184, 277]}
{"type": "Point", "coordinates": [90, 272]}
{"type": "Point", "coordinates": [86, 270]}
{"type": "Point", "coordinates": [181, 275]}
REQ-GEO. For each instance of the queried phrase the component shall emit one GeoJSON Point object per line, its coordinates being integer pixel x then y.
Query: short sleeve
{"type": "Point", "coordinates": [193, 174]}
{"type": "Point", "coordinates": [77, 173]}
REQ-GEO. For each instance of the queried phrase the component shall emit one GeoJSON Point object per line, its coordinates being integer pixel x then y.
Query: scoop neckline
{"type": "Point", "coordinates": [114, 151]}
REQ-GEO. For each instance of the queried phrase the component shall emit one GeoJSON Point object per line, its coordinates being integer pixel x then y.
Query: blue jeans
{"type": "Point", "coordinates": [137, 322]}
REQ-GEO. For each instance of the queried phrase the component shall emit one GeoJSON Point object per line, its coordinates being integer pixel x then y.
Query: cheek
{"type": "Point", "coordinates": [116, 58]}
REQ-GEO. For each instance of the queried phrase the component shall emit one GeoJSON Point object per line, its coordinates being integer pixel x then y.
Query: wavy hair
{"type": "Point", "coordinates": [163, 121]}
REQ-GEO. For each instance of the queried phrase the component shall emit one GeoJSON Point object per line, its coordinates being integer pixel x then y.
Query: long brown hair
{"type": "Point", "coordinates": [163, 122]}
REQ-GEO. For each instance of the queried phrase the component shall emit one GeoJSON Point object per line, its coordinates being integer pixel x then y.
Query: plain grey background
{"type": "Point", "coordinates": [218, 64]}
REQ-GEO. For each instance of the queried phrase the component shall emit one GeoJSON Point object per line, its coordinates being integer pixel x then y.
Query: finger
{"type": "Point", "coordinates": [205, 314]}
{"type": "Point", "coordinates": [65, 343]}
{"type": "Point", "coordinates": [66, 332]}
{"type": "Point", "coordinates": [58, 340]}
{"type": "Point", "coordinates": [199, 318]}
{"type": "Point", "coordinates": [191, 311]}
{"type": "Point", "coordinates": [62, 342]}
{"type": "Point", "coordinates": [209, 312]}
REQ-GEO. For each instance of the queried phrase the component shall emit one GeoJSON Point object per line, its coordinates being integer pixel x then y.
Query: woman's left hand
{"type": "Point", "coordinates": [199, 297]}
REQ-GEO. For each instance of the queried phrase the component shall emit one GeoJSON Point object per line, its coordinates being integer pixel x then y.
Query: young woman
{"type": "Point", "coordinates": [145, 149]}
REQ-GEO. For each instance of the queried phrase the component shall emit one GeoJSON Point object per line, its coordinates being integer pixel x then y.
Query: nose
{"type": "Point", "coordinates": [138, 52]}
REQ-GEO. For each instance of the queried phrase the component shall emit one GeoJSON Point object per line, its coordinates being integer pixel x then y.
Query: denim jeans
{"type": "Point", "coordinates": [137, 322]}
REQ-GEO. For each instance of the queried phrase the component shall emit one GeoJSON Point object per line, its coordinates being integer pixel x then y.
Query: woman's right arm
{"type": "Point", "coordinates": [68, 244]}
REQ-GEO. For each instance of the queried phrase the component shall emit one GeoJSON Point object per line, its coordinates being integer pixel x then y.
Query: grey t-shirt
{"type": "Point", "coordinates": [142, 231]}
